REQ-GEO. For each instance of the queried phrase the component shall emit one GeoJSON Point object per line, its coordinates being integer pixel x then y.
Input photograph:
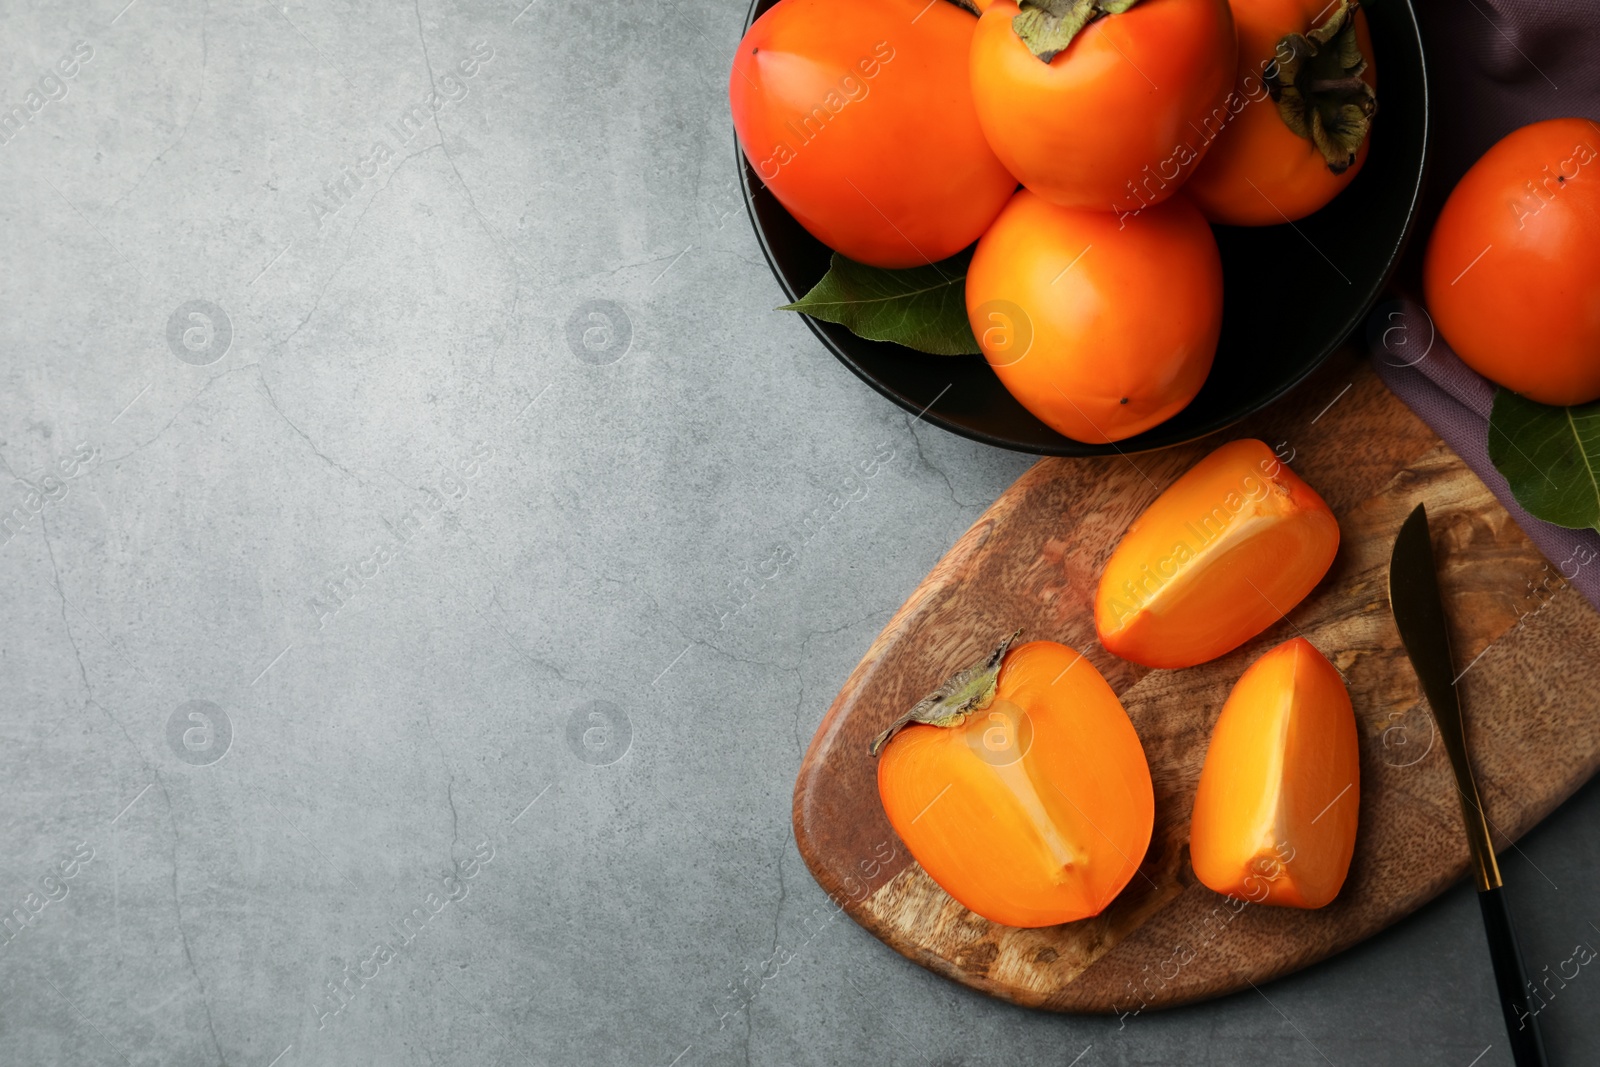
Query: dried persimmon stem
{"type": "Point", "coordinates": [970, 689]}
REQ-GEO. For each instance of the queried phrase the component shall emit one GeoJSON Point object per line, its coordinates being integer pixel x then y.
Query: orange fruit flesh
{"type": "Point", "coordinates": [1036, 810]}
{"type": "Point", "coordinates": [1226, 551]}
{"type": "Point", "coordinates": [1276, 810]}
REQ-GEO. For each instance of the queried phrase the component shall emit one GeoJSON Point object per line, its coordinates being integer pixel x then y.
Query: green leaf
{"type": "Point", "coordinates": [1550, 456]}
{"type": "Point", "coordinates": [924, 308]}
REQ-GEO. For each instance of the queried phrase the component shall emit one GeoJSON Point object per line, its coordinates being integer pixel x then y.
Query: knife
{"type": "Point", "coordinates": [1419, 614]}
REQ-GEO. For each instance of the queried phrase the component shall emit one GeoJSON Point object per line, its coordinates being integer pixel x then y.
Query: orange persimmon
{"type": "Point", "coordinates": [1295, 129]}
{"type": "Point", "coordinates": [1218, 557]}
{"type": "Point", "coordinates": [1106, 117]}
{"type": "Point", "coordinates": [1510, 269]}
{"type": "Point", "coordinates": [1275, 815]}
{"type": "Point", "coordinates": [1101, 327]}
{"type": "Point", "coordinates": [1020, 786]}
{"type": "Point", "coordinates": [859, 119]}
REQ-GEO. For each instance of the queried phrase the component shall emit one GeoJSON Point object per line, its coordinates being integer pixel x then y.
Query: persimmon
{"type": "Point", "coordinates": [1096, 103]}
{"type": "Point", "coordinates": [1513, 267]}
{"type": "Point", "coordinates": [1101, 327]}
{"type": "Point", "coordinates": [858, 117]}
{"type": "Point", "coordinates": [1224, 552]}
{"type": "Point", "coordinates": [1295, 129]}
{"type": "Point", "coordinates": [1276, 811]}
{"type": "Point", "coordinates": [1020, 786]}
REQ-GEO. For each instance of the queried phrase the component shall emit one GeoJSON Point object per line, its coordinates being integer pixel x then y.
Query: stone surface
{"type": "Point", "coordinates": [512, 362]}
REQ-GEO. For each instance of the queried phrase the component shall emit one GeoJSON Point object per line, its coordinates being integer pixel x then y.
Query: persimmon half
{"type": "Point", "coordinates": [1275, 815]}
{"type": "Point", "coordinates": [1218, 557]}
{"type": "Point", "coordinates": [1020, 786]}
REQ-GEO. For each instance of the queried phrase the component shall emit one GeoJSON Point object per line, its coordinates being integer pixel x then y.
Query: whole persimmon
{"type": "Point", "coordinates": [1020, 786]}
{"type": "Point", "coordinates": [1297, 122]}
{"type": "Point", "coordinates": [1276, 811]}
{"type": "Point", "coordinates": [1101, 326]}
{"type": "Point", "coordinates": [1098, 103]}
{"type": "Point", "coordinates": [1512, 274]}
{"type": "Point", "coordinates": [859, 119]}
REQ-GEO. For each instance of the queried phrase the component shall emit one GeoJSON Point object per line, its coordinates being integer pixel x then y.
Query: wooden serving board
{"type": "Point", "coordinates": [1033, 561]}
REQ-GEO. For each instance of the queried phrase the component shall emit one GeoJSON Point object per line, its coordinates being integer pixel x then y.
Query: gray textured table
{"type": "Point", "coordinates": [427, 556]}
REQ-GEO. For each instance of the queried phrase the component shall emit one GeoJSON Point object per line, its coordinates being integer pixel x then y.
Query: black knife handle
{"type": "Point", "coordinates": [1511, 976]}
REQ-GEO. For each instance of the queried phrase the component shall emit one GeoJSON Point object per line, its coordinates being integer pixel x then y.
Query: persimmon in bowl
{"type": "Point", "coordinates": [1291, 294]}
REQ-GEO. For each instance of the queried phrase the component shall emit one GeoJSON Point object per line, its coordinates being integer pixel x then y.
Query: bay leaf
{"type": "Point", "coordinates": [1550, 456]}
{"type": "Point", "coordinates": [923, 308]}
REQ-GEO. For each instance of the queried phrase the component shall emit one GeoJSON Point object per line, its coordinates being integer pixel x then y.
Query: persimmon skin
{"type": "Point", "coordinates": [857, 116]}
{"type": "Point", "coordinates": [1218, 557]}
{"type": "Point", "coordinates": [1120, 316]}
{"type": "Point", "coordinates": [1258, 172]}
{"type": "Point", "coordinates": [1278, 805]}
{"type": "Point", "coordinates": [1106, 123]}
{"type": "Point", "coordinates": [1052, 828]}
{"type": "Point", "coordinates": [1512, 273]}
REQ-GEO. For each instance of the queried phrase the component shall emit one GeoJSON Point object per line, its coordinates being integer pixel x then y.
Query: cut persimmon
{"type": "Point", "coordinates": [1224, 553]}
{"type": "Point", "coordinates": [1275, 815]}
{"type": "Point", "coordinates": [1020, 786]}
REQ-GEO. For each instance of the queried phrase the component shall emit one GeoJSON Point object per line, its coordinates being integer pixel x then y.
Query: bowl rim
{"type": "Point", "coordinates": [750, 184]}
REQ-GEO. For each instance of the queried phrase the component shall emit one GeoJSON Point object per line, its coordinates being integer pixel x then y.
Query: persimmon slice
{"type": "Point", "coordinates": [1032, 804]}
{"type": "Point", "coordinates": [1227, 550]}
{"type": "Point", "coordinates": [1276, 812]}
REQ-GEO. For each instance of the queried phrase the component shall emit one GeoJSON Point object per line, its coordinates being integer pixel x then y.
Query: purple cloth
{"type": "Point", "coordinates": [1493, 66]}
{"type": "Point", "coordinates": [1450, 397]}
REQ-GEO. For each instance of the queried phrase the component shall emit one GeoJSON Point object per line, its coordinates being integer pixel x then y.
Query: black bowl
{"type": "Point", "coordinates": [1278, 324]}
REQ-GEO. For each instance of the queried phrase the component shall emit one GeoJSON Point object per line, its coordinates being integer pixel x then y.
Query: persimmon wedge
{"type": "Point", "coordinates": [1020, 786]}
{"type": "Point", "coordinates": [1276, 812]}
{"type": "Point", "coordinates": [1218, 557]}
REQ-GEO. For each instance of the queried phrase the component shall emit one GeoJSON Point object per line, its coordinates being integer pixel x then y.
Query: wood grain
{"type": "Point", "coordinates": [1033, 559]}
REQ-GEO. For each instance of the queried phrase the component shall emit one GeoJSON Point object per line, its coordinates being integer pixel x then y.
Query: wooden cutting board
{"type": "Point", "coordinates": [1033, 561]}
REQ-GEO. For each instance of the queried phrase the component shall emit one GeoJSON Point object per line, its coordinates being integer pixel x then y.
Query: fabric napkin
{"type": "Point", "coordinates": [1493, 65]}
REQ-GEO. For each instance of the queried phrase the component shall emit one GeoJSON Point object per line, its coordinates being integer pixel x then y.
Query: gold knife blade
{"type": "Point", "coordinates": [1419, 615]}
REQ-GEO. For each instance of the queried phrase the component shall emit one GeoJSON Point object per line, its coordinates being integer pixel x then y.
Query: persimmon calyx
{"type": "Point", "coordinates": [970, 689]}
{"type": "Point", "coordinates": [1316, 81]}
{"type": "Point", "coordinates": [970, 6]}
{"type": "Point", "coordinates": [1048, 26]}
